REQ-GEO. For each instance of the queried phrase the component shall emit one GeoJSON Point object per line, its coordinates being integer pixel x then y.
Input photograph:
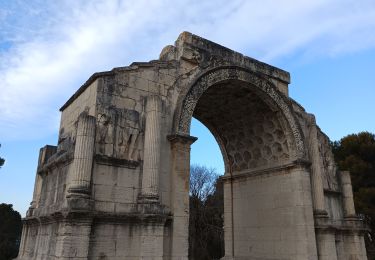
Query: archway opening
{"type": "Point", "coordinates": [250, 130]}
{"type": "Point", "coordinates": [205, 151]}
{"type": "Point", "coordinates": [206, 205]}
{"type": "Point", "coordinates": [253, 136]}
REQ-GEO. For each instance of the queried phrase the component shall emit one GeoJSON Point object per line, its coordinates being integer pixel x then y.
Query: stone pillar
{"type": "Point", "coordinates": [73, 238]}
{"type": "Point", "coordinates": [316, 171]}
{"type": "Point", "coordinates": [354, 245]}
{"type": "Point", "coordinates": [152, 236]}
{"type": "Point", "coordinates": [228, 219]}
{"type": "Point", "coordinates": [83, 156]}
{"type": "Point", "coordinates": [24, 237]}
{"type": "Point", "coordinates": [151, 158]}
{"type": "Point", "coordinates": [326, 245]}
{"type": "Point", "coordinates": [44, 154]}
{"type": "Point", "coordinates": [347, 195]}
{"type": "Point", "coordinates": [180, 146]}
{"type": "Point", "coordinates": [36, 195]}
{"type": "Point", "coordinates": [74, 231]}
{"type": "Point", "coordinates": [38, 189]}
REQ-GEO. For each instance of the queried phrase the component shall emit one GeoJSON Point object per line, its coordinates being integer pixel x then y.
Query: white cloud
{"type": "Point", "coordinates": [48, 50]}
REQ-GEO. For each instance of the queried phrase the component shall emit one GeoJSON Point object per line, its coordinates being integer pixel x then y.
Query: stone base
{"type": "Point", "coordinates": [79, 201]}
{"type": "Point", "coordinates": [320, 214]}
{"type": "Point", "coordinates": [228, 258]}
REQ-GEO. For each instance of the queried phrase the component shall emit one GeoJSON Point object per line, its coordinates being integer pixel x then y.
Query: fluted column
{"type": "Point", "coordinates": [44, 154]}
{"type": "Point", "coordinates": [24, 237]}
{"type": "Point", "coordinates": [347, 194]}
{"type": "Point", "coordinates": [36, 194]}
{"type": "Point", "coordinates": [151, 159]}
{"type": "Point", "coordinates": [316, 171]}
{"type": "Point", "coordinates": [326, 245]}
{"type": "Point", "coordinates": [83, 155]}
{"type": "Point", "coordinates": [38, 190]}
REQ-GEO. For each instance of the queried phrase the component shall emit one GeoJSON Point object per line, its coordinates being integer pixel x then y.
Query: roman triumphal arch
{"type": "Point", "coordinates": [116, 186]}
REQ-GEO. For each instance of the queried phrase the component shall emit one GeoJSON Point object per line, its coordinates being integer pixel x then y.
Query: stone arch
{"type": "Point", "coordinates": [221, 75]}
{"type": "Point", "coordinates": [264, 154]}
{"type": "Point", "coordinates": [275, 205]}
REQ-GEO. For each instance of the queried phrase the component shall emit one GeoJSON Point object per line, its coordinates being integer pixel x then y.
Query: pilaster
{"type": "Point", "coordinates": [151, 160]}
{"type": "Point", "coordinates": [326, 245]}
{"type": "Point", "coordinates": [44, 154]}
{"type": "Point", "coordinates": [80, 179]}
{"type": "Point", "coordinates": [316, 171]}
{"type": "Point", "coordinates": [73, 238]}
{"type": "Point", "coordinates": [180, 172]}
{"type": "Point", "coordinates": [347, 195]}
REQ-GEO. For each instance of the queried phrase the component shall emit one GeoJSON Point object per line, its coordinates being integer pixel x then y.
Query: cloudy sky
{"type": "Point", "coordinates": [49, 48]}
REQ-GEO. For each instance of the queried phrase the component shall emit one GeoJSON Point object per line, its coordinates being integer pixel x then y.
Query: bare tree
{"type": "Point", "coordinates": [202, 181]}
{"type": "Point", "coordinates": [206, 239]}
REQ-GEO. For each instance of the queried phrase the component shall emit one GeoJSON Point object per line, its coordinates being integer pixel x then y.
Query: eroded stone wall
{"type": "Point", "coordinates": [117, 184]}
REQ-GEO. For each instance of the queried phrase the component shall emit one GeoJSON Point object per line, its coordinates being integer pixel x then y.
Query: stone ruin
{"type": "Point", "coordinates": [117, 184]}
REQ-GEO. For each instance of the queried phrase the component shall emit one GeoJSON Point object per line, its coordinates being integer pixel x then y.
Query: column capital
{"type": "Point", "coordinates": [181, 138]}
{"type": "Point", "coordinates": [153, 103]}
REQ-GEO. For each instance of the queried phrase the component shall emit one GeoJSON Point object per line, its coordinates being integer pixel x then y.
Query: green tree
{"type": "Point", "coordinates": [2, 160]}
{"type": "Point", "coordinates": [10, 231]}
{"type": "Point", "coordinates": [356, 153]}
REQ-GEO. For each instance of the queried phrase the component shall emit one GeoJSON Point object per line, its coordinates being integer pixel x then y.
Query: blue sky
{"type": "Point", "coordinates": [49, 48]}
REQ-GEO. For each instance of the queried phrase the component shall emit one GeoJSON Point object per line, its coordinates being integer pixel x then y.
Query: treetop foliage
{"type": "Point", "coordinates": [10, 231]}
{"type": "Point", "coordinates": [2, 160]}
{"type": "Point", "coordinates": [361, 145]}
{"type": "Point", "coordinates": [356, 153]}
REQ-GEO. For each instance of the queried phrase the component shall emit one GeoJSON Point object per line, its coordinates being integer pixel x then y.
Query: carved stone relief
{"type": "Point", "coordinates": [118, 134]}
{"type": "Point", "coordinates": [67, 140]}
{"type": "Point", "coordinates": [250, 133]}
{"type": "Point", "coordinates": [104, 135]}
{"type": "Point", "coordinates": [127, 134]}
{"type": "Point", "coordinates": [329, 167]}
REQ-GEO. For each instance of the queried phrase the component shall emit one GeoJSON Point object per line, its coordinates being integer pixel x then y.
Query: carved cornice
{"type": "Point", "coordinates": [196, 49]}
{"type": "Point", "coordinates": [56, 161]}
{"type": "Point", "coordinates": [266, 170]}
{"type": "Point", "coordinates": [182, 138]}
{"type": "Point", "coordinates": [352, 225]}
{"type": "Point", "coordinates": [87, 217]}
{"type": "Point", "coordinates": [117, 162]}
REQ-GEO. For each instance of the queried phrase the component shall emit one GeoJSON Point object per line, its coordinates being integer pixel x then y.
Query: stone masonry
{"type": "Point", "coordinates": [116, 186]}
